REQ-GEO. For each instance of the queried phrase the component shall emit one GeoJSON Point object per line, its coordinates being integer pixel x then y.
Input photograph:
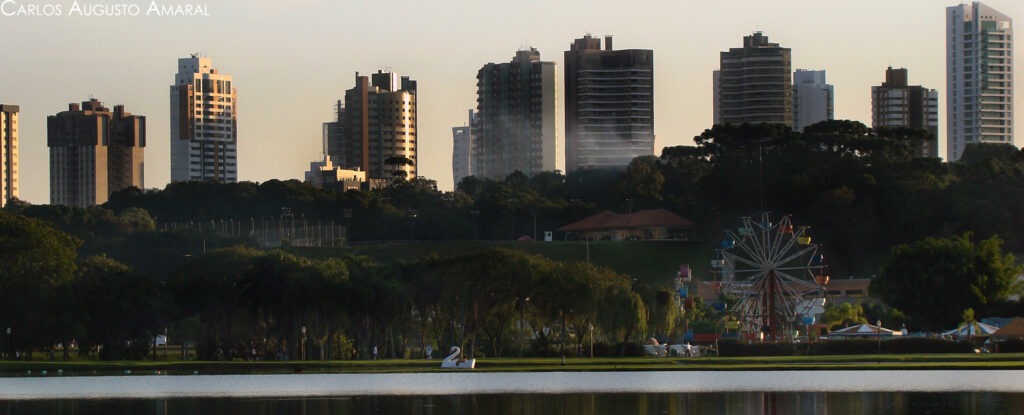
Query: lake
{"type": "Point", "coordinates": [674, 392]}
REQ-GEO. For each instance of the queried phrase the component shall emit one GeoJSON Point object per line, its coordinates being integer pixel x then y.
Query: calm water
{"type": "Point", "coordinates": [830, 403]}
{"type": "Point", "coordinates": [792, 392]}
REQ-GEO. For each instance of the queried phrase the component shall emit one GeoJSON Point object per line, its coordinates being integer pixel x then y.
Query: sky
{"type": "Point", "coordinates": [292, 60]}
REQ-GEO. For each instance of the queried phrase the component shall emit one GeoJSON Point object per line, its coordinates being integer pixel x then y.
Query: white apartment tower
{"type": "Point", "coordinates": [204, 127]}
{"type": "Point", "coordinates": [8, 153]}
{"type": "Point", "coordinates": [979, 77]}
{"type": "Point", "coordinates": [813, 99]}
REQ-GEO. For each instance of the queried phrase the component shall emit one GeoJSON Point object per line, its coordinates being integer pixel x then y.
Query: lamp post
{"type": "Point", "coordinates": [591, 327]}
{"type": "Point", "coordinates": [412, 223]}
{"type": "Point", "coordinates": [302, 351]}
{"type": "Point", "coordinates": [522, 324]}
{"type": "Point", "coordinates": [879, 331]}
{"type": "Point", "coordinates": [476, 223]}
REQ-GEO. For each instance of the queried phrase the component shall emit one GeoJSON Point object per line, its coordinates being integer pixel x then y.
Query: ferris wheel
{"type": "Point", "coordinates": [775, 273]}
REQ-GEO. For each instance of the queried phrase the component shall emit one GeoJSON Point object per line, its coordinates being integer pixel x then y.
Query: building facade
{"type": "Point", "coordinates": [754, 83]}
{"type": "Point", "coordinates": [8, 153]}
{"type": "Point", "coordinates": [94, 152]}
{"type": "Point", "coordinates": [377, 128]}
{"type": "Point", "coordinates": [895, 103]}
{"type": "Point", "coordinates": [516, 117]}
{"type": "Point", "coordinates": [979, 77]}
{"type": "Point", "coordinates": [462, 150]}
{"type": "Point", "coordinates": [813, 99]}
{"type": "Point", "coordinates": [609, 104]}
{"type": "Point", "coordinates": [204, 123]}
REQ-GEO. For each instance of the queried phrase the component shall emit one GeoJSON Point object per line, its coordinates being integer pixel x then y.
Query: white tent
{"type": "Point", "coordinates": [865, 331]}
{"type": "Point", "coordinates": [966, 331]}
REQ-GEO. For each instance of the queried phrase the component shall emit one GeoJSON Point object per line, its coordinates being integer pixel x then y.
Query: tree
{"type": "Point", "coordinates": [35, 261]}
{"type": "Point", "coordinates": [120, 309]}
{"type": "Point", "coordinates": [641, 181]}
{"type": "Point", "coordinates": [843, 315]}
{"type": "Point", "coordinates": [956, 274]}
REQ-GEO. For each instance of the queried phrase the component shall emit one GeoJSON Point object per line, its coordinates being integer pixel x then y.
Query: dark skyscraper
{"type": "Point", "coordinates": [515, 122]}
{"type": "Point", "coordinates": [609, 104]}
{"type": "Point", "coordinates": [94, 152]}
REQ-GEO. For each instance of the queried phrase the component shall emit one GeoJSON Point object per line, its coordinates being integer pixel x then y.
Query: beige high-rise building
{"type": "Point", "coordinates": [94, 152]}
{"type": "Point", "coordinates": [895, 103]}
{"type": "Point", "coordinates": [8, 153]}
{"type": "Point", "coordinates": [378, 128]}
{"type": "Point", "coordinates": [204, 123]}
{"type": "Point", "coordinates": [754, 84]}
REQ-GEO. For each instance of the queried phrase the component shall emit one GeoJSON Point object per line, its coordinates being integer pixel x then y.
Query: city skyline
{"type": "Point", "coordinates": [293, 75]}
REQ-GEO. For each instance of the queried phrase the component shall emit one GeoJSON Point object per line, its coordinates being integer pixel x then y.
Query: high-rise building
{"type": "Point", "coordinates": [609, 104]}
{"type": "Point", "coordinates": [204, 126]}
{"type": "Point", "coordinates": [754, 83]}
{"type": "Point", "coordinates": [8, 153]}
{"type": "Point", "coordinates": [516, 117]}
{"type": "Point", "coordinates": [94, 152]}
{"type": "Point", "coordinates": [979, 77]}
{"type": "Point", "coordinates": [462, 150]}
{"type": "Point", "coordinates": [334, 134]}
{"type": "Point", "coordinates": [895, 103]}
{"type": "Point", "coordinates": [813, 99]}
{"type": "Point", "coordinates": [377, 128]}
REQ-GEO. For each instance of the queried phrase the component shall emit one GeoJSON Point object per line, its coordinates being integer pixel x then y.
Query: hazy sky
{"type": "Point", "coordinates": [291, 60]}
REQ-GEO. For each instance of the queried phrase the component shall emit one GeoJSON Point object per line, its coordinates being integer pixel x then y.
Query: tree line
{"type": "Point", "coordinates": [862, 191]}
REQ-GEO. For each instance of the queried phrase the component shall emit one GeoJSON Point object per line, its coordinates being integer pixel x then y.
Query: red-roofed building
{"type": "Point", "coordinates": [654, 224]}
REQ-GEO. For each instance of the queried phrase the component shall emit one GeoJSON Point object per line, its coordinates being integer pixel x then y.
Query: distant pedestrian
{"type": "Point", "coordinates": [375, 355]}
{"type": "Point", "coordinates": [429, 351]}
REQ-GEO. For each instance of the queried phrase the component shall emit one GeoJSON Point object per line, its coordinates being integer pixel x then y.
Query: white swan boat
{"type": "Point", "coordinates": [453, 361]}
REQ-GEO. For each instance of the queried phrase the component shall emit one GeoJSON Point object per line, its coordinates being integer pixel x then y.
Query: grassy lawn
{"type": "Point", "coordinates": [849, 362]}
{"type": "Point", "coordinates": [653, 263]}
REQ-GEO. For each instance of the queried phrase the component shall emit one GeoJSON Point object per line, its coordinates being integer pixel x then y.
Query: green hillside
{"type": "Point", "coordinates": [649, 262]}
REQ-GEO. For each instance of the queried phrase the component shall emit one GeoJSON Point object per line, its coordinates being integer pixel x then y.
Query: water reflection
{"type": "Point", "coordinates": [564, 404]}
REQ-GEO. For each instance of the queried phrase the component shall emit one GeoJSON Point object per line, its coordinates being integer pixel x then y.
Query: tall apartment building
{"type": "Point", "coordinates": [979, 77]}
{"type": "Point", "coordinates": [204, 123]}
{"type": "Point", "coordinates": [516, 117]}
{"type": "Point", "coordinates": [754, 83]}
{"type": "Point", "coordinates": [895, 103]}
{"type": "Point", "coordinates": [8, 153]}
{"type": "Point", "coordinates": [609, 104]}
{"type": "Point", "coordinates": [377, 128]}
{"type": "Point", "coordinates": [462, 150]}
{"type": "Point", "coordinates": [94, 152]}
{"type": "Point", "coordinates": [334, 134]}
{"type": "Point", "coordinates": [813, 99]}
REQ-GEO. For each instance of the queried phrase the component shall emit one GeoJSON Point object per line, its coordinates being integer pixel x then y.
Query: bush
{"type": "Point", "coordinates": [1010, 346]}
{"type": "Point", "coordinates": [738, 348]}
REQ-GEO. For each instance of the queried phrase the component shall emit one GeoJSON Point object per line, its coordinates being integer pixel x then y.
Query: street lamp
{"type": "Point", "coordinates": [303, 351]}
{"type": "Point", "coordinates": [412, 222]}
{"type": "Point", "coordinates": [476, 223]}
{"type": "Point", "coordinates": [879, 331]}
{"type": "Point", "coordinates": [348, 225]}
{"type": "Point", "coordinates": [522, 324]}
{"type": "Point", "coordinates": [591, 340]}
